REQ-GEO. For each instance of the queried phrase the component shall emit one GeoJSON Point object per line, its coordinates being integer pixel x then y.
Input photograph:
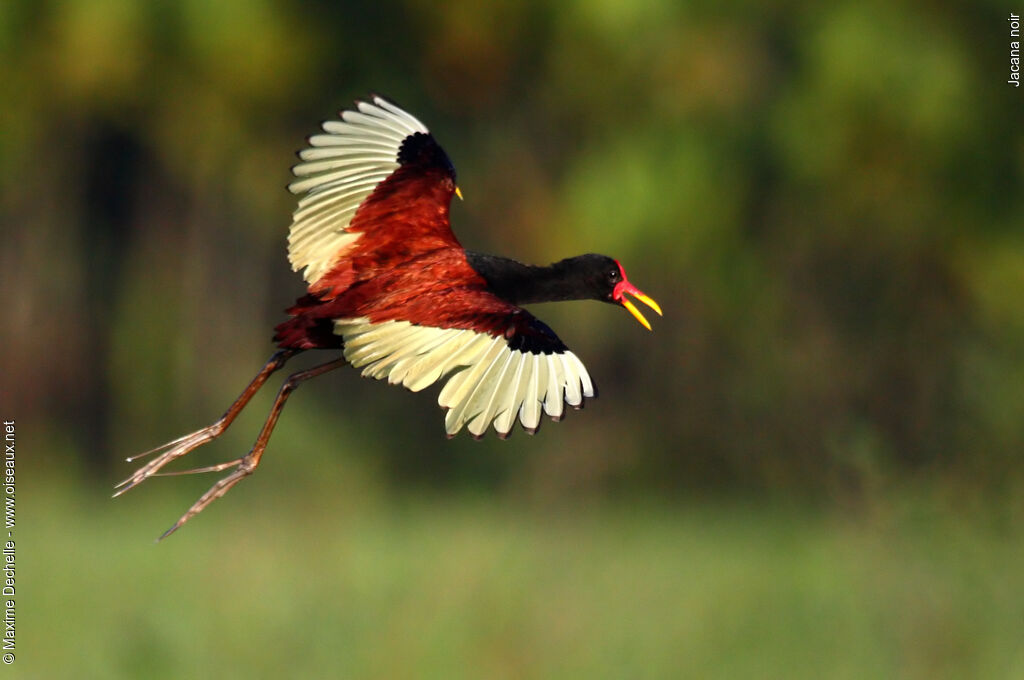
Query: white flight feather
{"type": "Point", "coordinates": [337, 172]}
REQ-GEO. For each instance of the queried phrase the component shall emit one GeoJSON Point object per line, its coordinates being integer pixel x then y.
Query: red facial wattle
{"type": "Point", "coordinates": [623, 287]}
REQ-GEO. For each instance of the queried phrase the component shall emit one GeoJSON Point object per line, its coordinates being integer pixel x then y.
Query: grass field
{"type": "Point", "coordinates": [269, 585]}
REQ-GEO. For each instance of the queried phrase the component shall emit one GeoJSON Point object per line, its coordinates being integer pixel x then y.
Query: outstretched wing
{"type": "Point", "coordinates": [338, 172]}
{"type": "Point", "coordinates": [493, 378]}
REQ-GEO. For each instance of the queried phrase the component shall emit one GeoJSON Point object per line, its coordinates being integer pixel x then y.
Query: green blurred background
{"type": "Point", "coordinates": [812, 467]}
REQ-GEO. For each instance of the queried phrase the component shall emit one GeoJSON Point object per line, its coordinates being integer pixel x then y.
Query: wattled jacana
{"type": "Point", "coordinates": [392, 289]}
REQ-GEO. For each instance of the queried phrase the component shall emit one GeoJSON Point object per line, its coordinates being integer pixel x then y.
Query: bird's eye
{"type": "Point", "coordinates": [613, 274]}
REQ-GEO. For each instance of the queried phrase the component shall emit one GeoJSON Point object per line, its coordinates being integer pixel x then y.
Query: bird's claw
{"type": "Point", "coordinates": [243, 468]}
{"type": "Point", "coordinates": [171, 451]}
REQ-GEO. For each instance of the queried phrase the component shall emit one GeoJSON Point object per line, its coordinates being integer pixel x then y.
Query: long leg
{"type": "Point", "coordinates": [183, 445]}
{"type": "Point", "coordinates": [245, 465]}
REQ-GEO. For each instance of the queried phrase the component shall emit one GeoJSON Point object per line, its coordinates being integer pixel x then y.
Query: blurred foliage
{"type": "Point", "coordinates": [477, 588]}
{"type": "Point", "coordinates": [826, 199]}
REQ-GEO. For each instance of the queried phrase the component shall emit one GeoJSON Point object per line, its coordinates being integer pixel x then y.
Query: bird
{"type": "Point", "coordinates": [392, 289]}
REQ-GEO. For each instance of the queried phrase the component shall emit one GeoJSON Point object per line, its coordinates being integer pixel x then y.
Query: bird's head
{"type": "Point", "coordinates": [603, 278]}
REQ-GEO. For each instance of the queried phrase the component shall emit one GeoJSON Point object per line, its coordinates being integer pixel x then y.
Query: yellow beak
{"type": "Point", "coordinates": [642, 297]}
{"type": "Point", "coordinates": [458, 193]}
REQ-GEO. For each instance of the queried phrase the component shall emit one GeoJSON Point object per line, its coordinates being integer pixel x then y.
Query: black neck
{"type": "Point", "coordinates": [523, 284]}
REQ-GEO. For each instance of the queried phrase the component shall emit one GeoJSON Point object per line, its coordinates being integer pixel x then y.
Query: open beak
{"type": "Point", "coordinates": [619, 295]}
{"type": "Point", "coordinates": [458, 193]}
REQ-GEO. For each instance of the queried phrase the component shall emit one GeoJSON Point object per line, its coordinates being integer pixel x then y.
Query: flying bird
{"type": "Point", "coordinates": [391, 288]}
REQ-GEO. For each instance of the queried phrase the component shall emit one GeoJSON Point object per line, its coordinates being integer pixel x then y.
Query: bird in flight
{"type": "Point", "coordinates": [391, 288]}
